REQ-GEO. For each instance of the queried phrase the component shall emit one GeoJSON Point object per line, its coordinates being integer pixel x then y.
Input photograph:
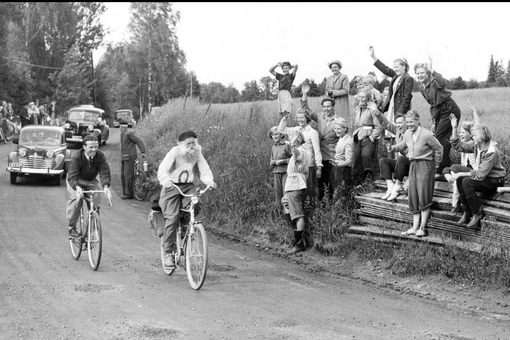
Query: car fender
{"type": "Point", "coordinates": [13, 157]}
{"type": "Point", "coordinates": [59, 161]}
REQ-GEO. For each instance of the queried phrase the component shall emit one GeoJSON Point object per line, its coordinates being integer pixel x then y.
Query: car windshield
{"type": "Point", "coordinates": [88, 116]}
{"type": "Point", "coordinates": [40, 137]}
{"type": "Point", "coordinates": [124, 115]}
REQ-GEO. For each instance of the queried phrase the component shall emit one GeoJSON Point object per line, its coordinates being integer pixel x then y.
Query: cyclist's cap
{"type": "Point", "coordinates": [187, 134]}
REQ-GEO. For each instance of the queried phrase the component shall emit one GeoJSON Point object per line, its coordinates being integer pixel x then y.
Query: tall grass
{"type": "Point", "coordinates": [235, 143]}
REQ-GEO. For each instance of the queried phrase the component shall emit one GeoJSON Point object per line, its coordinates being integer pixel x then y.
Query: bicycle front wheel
{"type": "Point", "coordinates": [9, 131]}
{"type": "Point", "coordinates": [140, 190]}
{"type": "Point", "coordinates": [94, 241]}
{"type": "Point", "coordinates": [76, 243]}
{"type": "Point", "coordinates": [196, 257]}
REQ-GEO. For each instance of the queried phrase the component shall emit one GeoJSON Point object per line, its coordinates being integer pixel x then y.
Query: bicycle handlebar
{"type": "Point", "coordinates": [98, 191]}
{"type": "Point", "coordinates": [198, 193]}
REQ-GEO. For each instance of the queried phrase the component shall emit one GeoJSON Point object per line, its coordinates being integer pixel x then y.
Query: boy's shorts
{"type": "Point", "coordinates": [293, 203]}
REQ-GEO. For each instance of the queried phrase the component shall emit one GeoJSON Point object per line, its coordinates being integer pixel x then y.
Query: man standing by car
{"type": "Point", "coordinates": [83, 170]}
{"type": "Point", "coordinates": [128, 143]}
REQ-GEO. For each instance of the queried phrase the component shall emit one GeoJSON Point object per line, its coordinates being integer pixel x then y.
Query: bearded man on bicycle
{"type": "Point", "coordinates": [179, 167]}
{"type": "Point", "coordinates": [84, 168]}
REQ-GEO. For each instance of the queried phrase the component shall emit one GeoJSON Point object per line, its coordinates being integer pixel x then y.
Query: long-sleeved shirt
{"type": "Point", "coordinates": [366, 124]}
{"type": "Point", "coordinates": [279, 151]}
{"type": "Point", "coordinates": [489, 164]}
{"type": "Point", "coordinates": [392, 127]}
{"type": "Point", "coordinates": [435, 93]}
{"type": "Point", "coordinates": [297, 171]}
{"type": "Point", "coordinates": [344, 151]}
{"type": "Point", "coordinates": [179, 167]}
{"type": "Point", "coordinates": [312, 143]}
{"type": "Point", "coordinates": [326, 130]}
{"type": "Point", "coordinates": [81, 168]}
{"type": "Point", "coordinates": [426, 146]}
{"type": "Point", "coordinates": [129, 141]}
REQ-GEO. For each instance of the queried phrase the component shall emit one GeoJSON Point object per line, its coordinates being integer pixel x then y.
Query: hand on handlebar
{"type": "Point", "coordinates": [79, 191]}
{"type": "Point", "coordinates": [108, 193]}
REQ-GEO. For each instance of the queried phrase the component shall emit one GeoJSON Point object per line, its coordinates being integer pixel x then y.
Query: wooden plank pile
{"type": "Point", "coordinates": [379, 217]}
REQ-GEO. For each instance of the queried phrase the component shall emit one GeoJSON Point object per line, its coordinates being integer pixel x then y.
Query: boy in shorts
{"type": "Point", "coordinates": [295, 190]}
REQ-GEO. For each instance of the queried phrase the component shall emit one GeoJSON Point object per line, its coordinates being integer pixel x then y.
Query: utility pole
{"type": "Point", "coordinates": [191, 85]}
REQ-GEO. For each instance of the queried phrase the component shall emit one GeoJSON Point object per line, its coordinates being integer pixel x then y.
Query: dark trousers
{"type": "Point", "coordinates": [443, 131]}
{"type": "Point", "coordinates": [468, 187]}
{"type": "Point", "coordinates": [364, 153]}
{"type": "Point", "coordinates": [326, 181]}
{"type": "Point", "coordinates": [342, 183]}
{"type": "Point", "coordinates": [127, 176]}
{"type": "Point", "coordinates": [391, 168]}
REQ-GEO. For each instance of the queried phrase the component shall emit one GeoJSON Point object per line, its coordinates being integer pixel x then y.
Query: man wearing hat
{"type": "Point", "coordinates": [128, 143]}
{"type": "Point", "coordinates": [179, 167]}
{"type": "Point", "coordinates": [337, 87]}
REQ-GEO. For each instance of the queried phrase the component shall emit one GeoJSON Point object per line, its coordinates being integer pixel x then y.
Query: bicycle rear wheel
{"type": "Point", "coordinates": [10, 131]}
{"type": "Point", "coordinates": [196, 257]}
{"type": "Point", "coordinates": [76, 243]}
{"type": "Point", "coordinates": [94, 241]}
{"type": "Point", "coordinates": [140, 190]}
{"type": "Point", "coordinates": [168, 271]}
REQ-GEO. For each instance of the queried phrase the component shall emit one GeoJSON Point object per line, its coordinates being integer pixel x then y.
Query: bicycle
{"type": "Point", "coordinates": [89, 226]}
{"type": "Point", "coordinates": [140, 182]}
{"type": "Point", "coordinates": [192, 244]}
{"type": "Point", "coordinates": [11, 129]}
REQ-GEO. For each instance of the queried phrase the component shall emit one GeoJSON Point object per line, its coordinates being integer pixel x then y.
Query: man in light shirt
{"type": "Point", "coordinates": [179, 167]}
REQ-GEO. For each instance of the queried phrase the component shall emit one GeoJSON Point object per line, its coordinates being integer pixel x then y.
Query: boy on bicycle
{"type": "Point", "coordinates": [179, 167]}
{"type": "Point", "coordinates": [84, 167]}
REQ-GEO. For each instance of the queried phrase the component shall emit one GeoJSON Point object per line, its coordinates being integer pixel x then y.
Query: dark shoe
{"type": "Point", "coordinates": [126, 197]}
{"type": "Point", "coordinates": [465, 218]}
{"type": "Point", "coordinates": [296, 249]}
{"type": "Point", "coordinates": [73, 233]}
{"type": "Point", "coordinates": [475, 221]}
{"type": "Point", "coordinates": [457, 209]}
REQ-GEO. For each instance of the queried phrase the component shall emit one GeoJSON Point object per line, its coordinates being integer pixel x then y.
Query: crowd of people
{"type": "Point", "coordinates": [333, 149]}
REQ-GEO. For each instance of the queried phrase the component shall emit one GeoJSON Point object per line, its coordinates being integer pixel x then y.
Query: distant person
{"type": "Point", "coordinates": [25, 116]}
{"type": "Point", "coordinates": [400, 88]}
{"type": "Point", "coordinates": [86, 165]}
{"type": "Point", "coordinates": [128, 143]}
{"type": "Point", "coordinates": [337, 87]}
{"type": "Point", "coordinates": [33, 112]}
{"type": "Point", "coordinates": [424, 152]}
{"type": "Point", "coordinates": [280, 156]}
{"type": "Point", "coordinates": [487, 175]}
{"type": "Point", "coordinates": [53, 113]}
{"type": "Point", "coordinates": [295, 190]}
{"type": "Point", "coordinates": [285, 81]}
{"type": "Point", "coordinates": [433, 89]}
{"type": "Point", "coordinates": [368, 85]}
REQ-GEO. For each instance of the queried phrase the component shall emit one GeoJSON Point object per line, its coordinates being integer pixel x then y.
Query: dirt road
{"type": "Point", "coordinates": [248, 293]}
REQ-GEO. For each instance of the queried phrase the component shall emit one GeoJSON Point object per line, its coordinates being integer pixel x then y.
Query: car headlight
{"type": "Point", "coordinates": [49, 153]}
{"type": "Point", "coordinates": [194, 199]}
{"type": "Point", "coordinates": [67, 126]}
{"type": "Point", "coordinates": [22, 152]}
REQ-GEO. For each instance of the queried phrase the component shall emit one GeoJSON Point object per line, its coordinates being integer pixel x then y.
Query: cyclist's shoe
{"type": "Point", "coordinates": [126, 197]}
{"type": "Point", "coordinates": [73, 233]}
{"type": "Point", "coordinates": [169, 261]}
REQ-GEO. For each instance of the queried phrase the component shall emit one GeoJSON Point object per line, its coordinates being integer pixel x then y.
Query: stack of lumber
{"type": "Point", "coordinates": [383, 218]}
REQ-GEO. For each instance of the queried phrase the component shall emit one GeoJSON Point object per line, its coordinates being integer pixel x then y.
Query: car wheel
{"type": "Point", "coordinates": [14, 178]}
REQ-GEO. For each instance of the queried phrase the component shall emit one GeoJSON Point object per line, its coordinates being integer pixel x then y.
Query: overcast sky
{"type": "Point", "coordinates": [233, 43]}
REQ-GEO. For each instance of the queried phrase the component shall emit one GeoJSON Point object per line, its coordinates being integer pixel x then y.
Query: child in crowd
{"type": "Point", "coordinates": [368, 84]}
{"type": "Point", "coordinates": [285, 81]}
{"type": "Point", "coordinates": [295, 190]}
{"type": "Point", "coordinates": [280, 156]}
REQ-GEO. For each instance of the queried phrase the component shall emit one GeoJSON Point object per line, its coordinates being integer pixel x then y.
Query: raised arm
{"type": "Point", "coordinates": [273, 68]}
{"type": "Point", "coordinates": [380, 65]}
{"type": "Point", "coordinates": [476, 117]}
{"type": "Point", "coordinates": [294, 69]}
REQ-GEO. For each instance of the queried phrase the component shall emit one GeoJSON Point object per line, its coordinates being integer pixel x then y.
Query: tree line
{"type": "Point", "coordinates": [46, 54]}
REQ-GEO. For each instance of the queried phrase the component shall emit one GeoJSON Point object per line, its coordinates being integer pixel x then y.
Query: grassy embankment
{"type": "Point", "coordinates": [235, 143]}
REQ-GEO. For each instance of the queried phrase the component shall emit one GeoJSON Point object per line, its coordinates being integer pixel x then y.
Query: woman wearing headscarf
{"type": "Point", "coordinates": [433, 89]}
{"type": "Point", "coordinates": [337, 87]}
{"type": "Point", "coordinates": [400, 88]}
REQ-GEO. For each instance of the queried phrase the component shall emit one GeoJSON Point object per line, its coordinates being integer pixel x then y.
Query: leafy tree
{"type": "Point", "coordinates": [472, 84]}
{"type": "Point", "coordinates": [251, 92]}
{"type": "Point", "coordinates": [457, 84]}
{"type": "Point", "coordinates": [269, 87]}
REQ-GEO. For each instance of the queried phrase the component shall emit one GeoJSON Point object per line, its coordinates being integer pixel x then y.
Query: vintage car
{"type": "Point", "coordinates": [83, 120]}
{"type": "Point", "coordinates": [124, 116]}
{"type": "Point", "coordinates": [41, 151]}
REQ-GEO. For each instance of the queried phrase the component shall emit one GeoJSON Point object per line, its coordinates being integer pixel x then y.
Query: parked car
{"type": "Point", "coordinates": [124, 116]}
{"type": "Point", "coordinates": [83, 120]}
{"type": "Point", "coordinates": [41, 151]}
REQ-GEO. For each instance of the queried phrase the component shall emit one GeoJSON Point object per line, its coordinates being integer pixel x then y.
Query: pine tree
{"type": "Point", "coordinates": [491, 78]}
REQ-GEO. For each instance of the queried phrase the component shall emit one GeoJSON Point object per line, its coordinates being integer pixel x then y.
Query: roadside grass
{"type": "Point", "coordinates": [235, 143]}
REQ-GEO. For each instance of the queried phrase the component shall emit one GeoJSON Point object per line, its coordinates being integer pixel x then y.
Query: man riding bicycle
{"type": "Point", "coordinates": [82, 175]}
{"type": "Point", "coordinates": [179, 167]}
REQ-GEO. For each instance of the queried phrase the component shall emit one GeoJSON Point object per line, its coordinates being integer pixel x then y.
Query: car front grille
{"type": "Point", "coordinates": [36, 162]}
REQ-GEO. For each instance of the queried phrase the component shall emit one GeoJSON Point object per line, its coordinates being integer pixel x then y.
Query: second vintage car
{"type": "Point", "coordinates": [41, 151]}
{"type": "Point", "coordinates": [124, 116]}
{"type": "Point", "coordinates": [83, 120]}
